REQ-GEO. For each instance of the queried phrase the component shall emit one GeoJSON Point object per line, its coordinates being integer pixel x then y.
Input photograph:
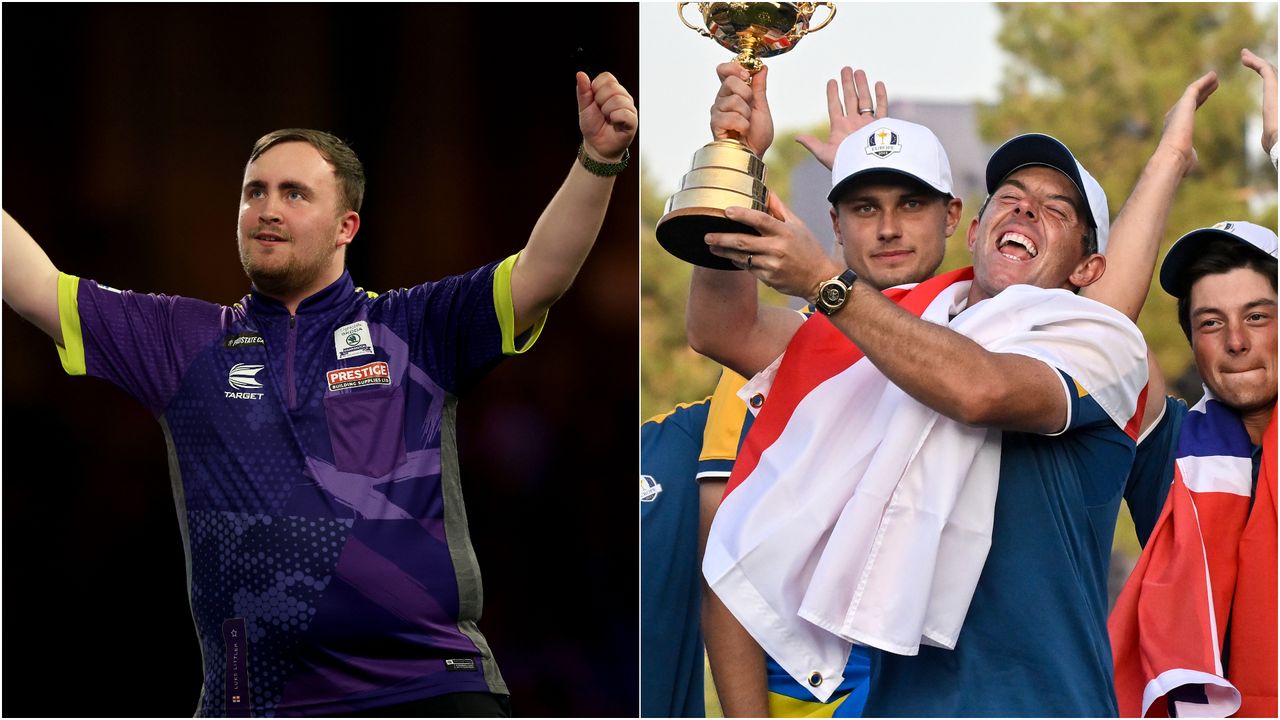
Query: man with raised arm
{"type": "Point", "coordinates": [892, 215]}
{"type": "Point", "coordinates": [1194, 630]}
{"type": "Point", "coordinates": [311, 428]}
{"type": "Point", "coordinates": [863, 502]}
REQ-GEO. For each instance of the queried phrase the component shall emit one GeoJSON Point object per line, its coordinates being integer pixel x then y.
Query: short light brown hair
{"type": "Point", "coordinates": [346, 166]}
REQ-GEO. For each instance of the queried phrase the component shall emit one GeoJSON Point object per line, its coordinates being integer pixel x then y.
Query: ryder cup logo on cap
{"type": "Point", "coordinates": [891, 146]}
{"type": "Point", "coordinates": [1190, 246]}
{"type": "Point", "coordinates": [1037, 149]}
{"type": "Point", "coordinates": [882, 143]}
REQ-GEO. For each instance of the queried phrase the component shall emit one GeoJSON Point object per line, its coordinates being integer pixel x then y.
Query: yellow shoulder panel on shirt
{"type": "Point", "coordinates": [71, 351]}
{"type": "Point", "coordinates": [724, 419]}
{"type": "Point", "coordinates": [663, 416]}
{"type": "Point", "coordinates": [1080, 391]}
{"type": "Point", "coordinates": [505, 308]}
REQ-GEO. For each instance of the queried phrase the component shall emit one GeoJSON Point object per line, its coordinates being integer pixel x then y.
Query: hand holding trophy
{"type": "Point", "coordinates": [727, 173]}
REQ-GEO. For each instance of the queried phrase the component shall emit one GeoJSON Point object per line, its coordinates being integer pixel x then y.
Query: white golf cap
{"type": "Point", "coordinates": [1037, 149]}
{"type": "Point", "coordinates": [891, 146]}
{"type": "Point", "coordinates": [1189, 246]}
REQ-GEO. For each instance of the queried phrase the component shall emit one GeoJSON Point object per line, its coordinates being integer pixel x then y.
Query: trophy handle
{"type": "Point", "coordinates": [700, 31]}
{"type": "Point", "coordinates": [811, 7]}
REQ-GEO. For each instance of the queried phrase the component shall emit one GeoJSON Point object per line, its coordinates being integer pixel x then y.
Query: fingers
{"type": "Point", "coordinates": [1203, 87]}
{"type": "Point", "coordinates": [615, 103]}
{"type": "Point", "coordinates": [585, 96]}
{"type": "Point", "coordinates": [1267, 72]}
{"type": "Point", "coordinates": [864, 92]}
{"type": "Point", "coordinates": [732, 69]}
{"type": "Point", "coordinates": [731, 111]}
{"type": "Point", "coordinates": [742, 259]}
{"type": "Point", "coordinates": [1257, 64]}
{"type": "Point", "coordinates": [623, 118]}
{"type": "Point", "coordinates": [739, 248]}
{"type": "Point", "coordinates": [850, 93]}
{"type": "Point", "coordinates": [882, 100]}
{"type": "Point", "coordinates": [604, 89]}
{"type": "Point", "coordinates": [779, 209]}
{"type": "Point", "coordinates": [760, 81]}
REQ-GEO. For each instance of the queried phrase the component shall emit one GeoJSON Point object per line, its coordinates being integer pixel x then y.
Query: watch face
{"type": "Point", "coordinates": [832, 294]}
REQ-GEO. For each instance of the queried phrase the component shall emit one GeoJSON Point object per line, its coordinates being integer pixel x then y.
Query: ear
{"type": "Point", "coordinates": [835, 226]}
{"type": "Point", "coordinates": [1088, 270]}
{"type": "Point", "coordinates": [972, 238]}
{"type": "Point", "coordinates": [954, 208]}
{"type": "Point", "coordinates": [348, 225]}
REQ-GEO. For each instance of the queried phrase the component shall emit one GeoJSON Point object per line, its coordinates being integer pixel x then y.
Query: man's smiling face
{"type": "Point", "coordinates": [1031, 233]}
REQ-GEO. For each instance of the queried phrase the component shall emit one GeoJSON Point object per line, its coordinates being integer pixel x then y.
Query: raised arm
{"type": "Point", "coordinates": [849, 108]}
{"type": "Point", "coordinates": [935, 365]}
{"type": "Point", "coordinates": [567, 229]}
{"type": "Point", "coordinates": [30, 280]}
{"type": "Point", "coordinates": [1135, 237]}
{"type": "Point", "coordinates": [725, 320]}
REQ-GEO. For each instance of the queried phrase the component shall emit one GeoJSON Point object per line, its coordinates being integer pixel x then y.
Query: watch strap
{"type": "Point", "coordinates": [595, 167]}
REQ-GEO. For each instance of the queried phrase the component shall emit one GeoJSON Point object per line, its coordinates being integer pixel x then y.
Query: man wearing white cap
{"type": "Point", "coordinates": [861, 511]}
{"type": "Point", "coordinates": [1203, 497]}
{"type": "Point", "coordinates": [892, 213]}
{"type": "Point", "coordinates": [1194, 630]}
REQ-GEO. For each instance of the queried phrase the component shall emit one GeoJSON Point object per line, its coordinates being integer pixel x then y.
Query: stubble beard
{"type": "Point", "coordinates": [296, 274]}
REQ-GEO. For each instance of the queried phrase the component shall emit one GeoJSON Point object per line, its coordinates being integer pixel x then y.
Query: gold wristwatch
{"type": "Point", "coordinates": [834, 293]}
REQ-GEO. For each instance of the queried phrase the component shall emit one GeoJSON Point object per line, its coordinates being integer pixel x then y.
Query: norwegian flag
{"type": "Point", "coordinates": [1209, 558]}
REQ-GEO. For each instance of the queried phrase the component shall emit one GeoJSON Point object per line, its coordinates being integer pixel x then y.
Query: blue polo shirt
{"type": "Point", "coordinates": [670, 577]}
{"type": "Point", "coordinates": [1034, 643]}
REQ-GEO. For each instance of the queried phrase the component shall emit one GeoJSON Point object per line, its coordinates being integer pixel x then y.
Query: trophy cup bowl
{"type": "Point", "coordinates": [727, 173]}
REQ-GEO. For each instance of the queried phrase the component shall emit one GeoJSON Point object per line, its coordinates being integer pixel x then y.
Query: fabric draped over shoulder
{"type": "Point", "coordinates": [1209, 559]}
{"type": "Point", "coordinates": [855, 514]}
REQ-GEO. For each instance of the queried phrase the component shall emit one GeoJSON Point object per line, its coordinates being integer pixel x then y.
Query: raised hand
{"type": "Point", "coordinates": [741, 107]}
{"type": "Point", "coordinates": [1267, 72]}
{"type": "Point", "coordinates": [1180, 121]}
{"type": "Point", "coordinates": [855, 112]}
{"type": "Point", "coordinates": [785, 256]}
{"type": "Point", "coordinates": [606, 116]}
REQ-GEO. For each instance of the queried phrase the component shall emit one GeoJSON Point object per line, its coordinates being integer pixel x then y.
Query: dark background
{"type": "Point", "coordinates": [126, 130]}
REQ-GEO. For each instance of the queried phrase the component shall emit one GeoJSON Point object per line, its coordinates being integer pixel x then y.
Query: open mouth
{"type": "Point", "coordinates": [269, 238]}
{"type": "Point", "coordinates": [1017, 247]}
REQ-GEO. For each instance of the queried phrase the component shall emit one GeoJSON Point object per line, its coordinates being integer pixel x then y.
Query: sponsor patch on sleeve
{"type": "Point", "coordinates": [375, 373]}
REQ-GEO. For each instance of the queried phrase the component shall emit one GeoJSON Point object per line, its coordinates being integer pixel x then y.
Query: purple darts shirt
{"type": "Point", "coordinates": [316, 479]}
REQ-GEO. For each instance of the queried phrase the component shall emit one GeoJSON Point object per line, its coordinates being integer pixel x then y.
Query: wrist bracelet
{"type": "Point", "coordinates": [596, 167]}
{"type": "Point", "coordinates": [1275, 155]}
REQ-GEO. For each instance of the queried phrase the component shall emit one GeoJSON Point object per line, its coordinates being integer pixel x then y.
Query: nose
{"type": "Point", "coordinates": [267, 212]}
{"type": "Point", "coordinates": [1025, 208]}
{"type": "Point", "coordinates": [1237, 339]}
{"type": "Point", "coordinates": [890, 225]}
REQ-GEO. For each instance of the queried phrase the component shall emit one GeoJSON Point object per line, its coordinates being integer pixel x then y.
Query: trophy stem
{"type": "Point", "coordinates": [747, 58]}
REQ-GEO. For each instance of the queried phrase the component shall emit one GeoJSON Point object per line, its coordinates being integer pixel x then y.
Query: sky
{"type": "Point", "coordinates": [913, 47]}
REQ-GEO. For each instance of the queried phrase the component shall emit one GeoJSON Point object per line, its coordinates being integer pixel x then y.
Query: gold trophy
{"type": "Point", "coordinates": [727, 173]}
